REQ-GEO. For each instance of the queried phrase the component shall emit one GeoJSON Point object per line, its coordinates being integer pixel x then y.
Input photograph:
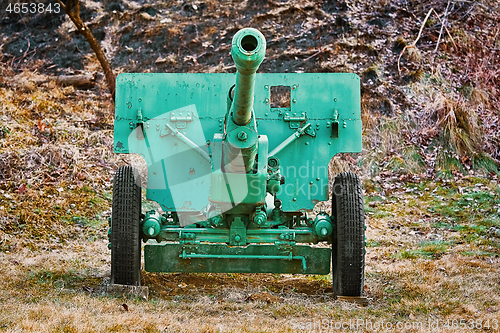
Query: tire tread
{"type": "Point", "coordinates": [349, 250]}
{"type": "Point", "coordinates": [125, 227]}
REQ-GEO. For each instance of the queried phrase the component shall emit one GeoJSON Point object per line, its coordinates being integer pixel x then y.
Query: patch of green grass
{"type": "Point", "coordinates": [443, 225]}
{"type": "Point", "coordinates": [408, 254]}
{"type": "Point", "coordinates": [95, 201]}
{"type": "Point", "coordinates": [108, 196]}
{"type": "Point", "coordinates": [446, 190]}
{"type": "Point", "coordinates": [369, 210]}
{"type": "Point", "coordinates": [274, 289]}
{"type": "Point", "coordinates": [395, 299]}
{"type": "Point", "coordinates": [373, 243]}
{"type": "Point", "coordinates": [434, 248]}
{"type": "Point", "coordinates": [475, 180]}
{"type": "Point", "coordinates": [381, 214]}
{"type": "Point", "coordinates": [472, 238]}
{"type": "Point", "coordinates": [422, 308]}
{"type": "Point", "coordinates": [479, 200]}
{"type": "Point", "coordinates": [413, 203]}
{"type": "Point", "coordinates": [83, 220]}
{"type": "Point", "coordinates": [479, 229]}
{"type": "Point", "coordinates": [374, 169]}
{"type": "Point", "coordinates": [493, 221]}
{"type": "Point", "coordinates": [373, 209]}
{"type": "Point", "coordinates": [478, 253]}
{"type": "Point", "coordinates": [423, 186]}
{"type": "Point", "coordinates": [87, 189]}
{"type": "Point", "coordinates": [396, 164]}
{"type": "Point", "coordinates": [486, 163]}
{"type": "Point", "coordinates": [373, 198]}
{"type": "Point", "coordinates": [414, 160]}
{"type": "Point", "coordinates": [326, 279]}
{"type": "Point", "coordinates": [473, 207]}
{"type": "Point", "coordinates": [54, 278]}
{"type": "Point", "coordinates": [431, 250]}
{"type": "Point", "coordinates": [448, 164]}
{"type": "Point", "coordinates": [409, 160]}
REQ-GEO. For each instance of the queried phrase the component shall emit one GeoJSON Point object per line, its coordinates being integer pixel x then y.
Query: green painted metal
{"type": "Point", "coordinates": [223, 235]}
{"type": "Point", "coordinates": [289, 256]}
{"type": "Point", "coordinates": [298, 133]}
{"type": "Point", "coordinates": [323, 226]}
{"type": "Point", "coordinates": [221, 258]}
{"type": "Point", "coordinates": [318, 95]}
{"type": "Point", "coordinates": [151, 226]}
{"type": "Point", "coordinates": [245, 188]}
{"type": "Point", "coordinates": [248, 50]}
{"type": "Point", "coordinates": [241, 138]}
{"type": "Point", "coordinates": [237, 232]}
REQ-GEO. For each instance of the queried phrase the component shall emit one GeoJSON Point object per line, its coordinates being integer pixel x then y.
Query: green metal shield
{"type": "Point", "coordinates": [168, 119]}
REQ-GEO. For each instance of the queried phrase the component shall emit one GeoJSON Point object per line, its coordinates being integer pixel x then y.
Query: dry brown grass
{"type": "Point", "coordinates": [56, 160]}
{"type": "Point", "coordinates": [59, 288]}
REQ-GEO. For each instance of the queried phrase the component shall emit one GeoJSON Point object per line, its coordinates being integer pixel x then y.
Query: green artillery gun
{"type": "Point", "coordinates": [237, 163]}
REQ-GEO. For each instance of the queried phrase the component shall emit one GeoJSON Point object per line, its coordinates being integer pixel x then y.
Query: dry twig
{"type": "Point", "coordinates": [442, 25]}
{"type": "Point", "coordinates": [413, 45]}
{"type": "Point", "coordinates": [72, 9]}
{"type": "Point", "coordinates": [315, 54]}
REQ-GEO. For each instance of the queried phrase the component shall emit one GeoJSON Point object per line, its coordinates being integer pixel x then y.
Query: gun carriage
{"type": "Point", "coordinates": [237, 163]}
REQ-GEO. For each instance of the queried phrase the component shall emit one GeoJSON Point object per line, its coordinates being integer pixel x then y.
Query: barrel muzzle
{"type": "Point", "coordinates": [248, 50]}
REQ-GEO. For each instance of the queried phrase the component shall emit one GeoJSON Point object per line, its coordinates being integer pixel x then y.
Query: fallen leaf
{"type": "Point", "coordinates": [21, 189]}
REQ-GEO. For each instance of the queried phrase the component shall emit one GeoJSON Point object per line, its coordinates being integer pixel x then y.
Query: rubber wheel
{"type": "Point", "coordinates": [125, 227]}
{"type": "Point", "coordinates": [348, 249]}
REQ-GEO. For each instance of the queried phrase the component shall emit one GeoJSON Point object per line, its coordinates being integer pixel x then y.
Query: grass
{"type": "Point", "coordinates": [425, 260]}
{"type": "Point", "coordinates": [449, 130]}
{"type": "Point", "coordinates": [82, 311]}
{"type": "Point", "coordinates": [373, 243]}
{"type": "Point", "coordinates": [479, 253]}
{"type": "Point", "coordinates": [432, 249]}
{"type": "Point", "coordinates": [410, 277]}
{"type": "Point", "coordinates": [472, 213]}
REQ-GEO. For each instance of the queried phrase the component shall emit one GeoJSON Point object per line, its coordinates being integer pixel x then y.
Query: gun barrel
{"type": "Point", "coordinates": [248, 50]}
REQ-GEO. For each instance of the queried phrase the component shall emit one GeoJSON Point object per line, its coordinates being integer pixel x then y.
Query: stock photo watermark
{"type": "Point", "coordinates": [364, 324]}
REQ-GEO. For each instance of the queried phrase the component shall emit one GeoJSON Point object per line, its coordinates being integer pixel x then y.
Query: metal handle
{"type": "Point", "coordinates": [290, 256]}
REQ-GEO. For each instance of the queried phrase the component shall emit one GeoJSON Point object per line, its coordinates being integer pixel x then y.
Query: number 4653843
{"type": "Point", "coordinates": [32, 8]}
